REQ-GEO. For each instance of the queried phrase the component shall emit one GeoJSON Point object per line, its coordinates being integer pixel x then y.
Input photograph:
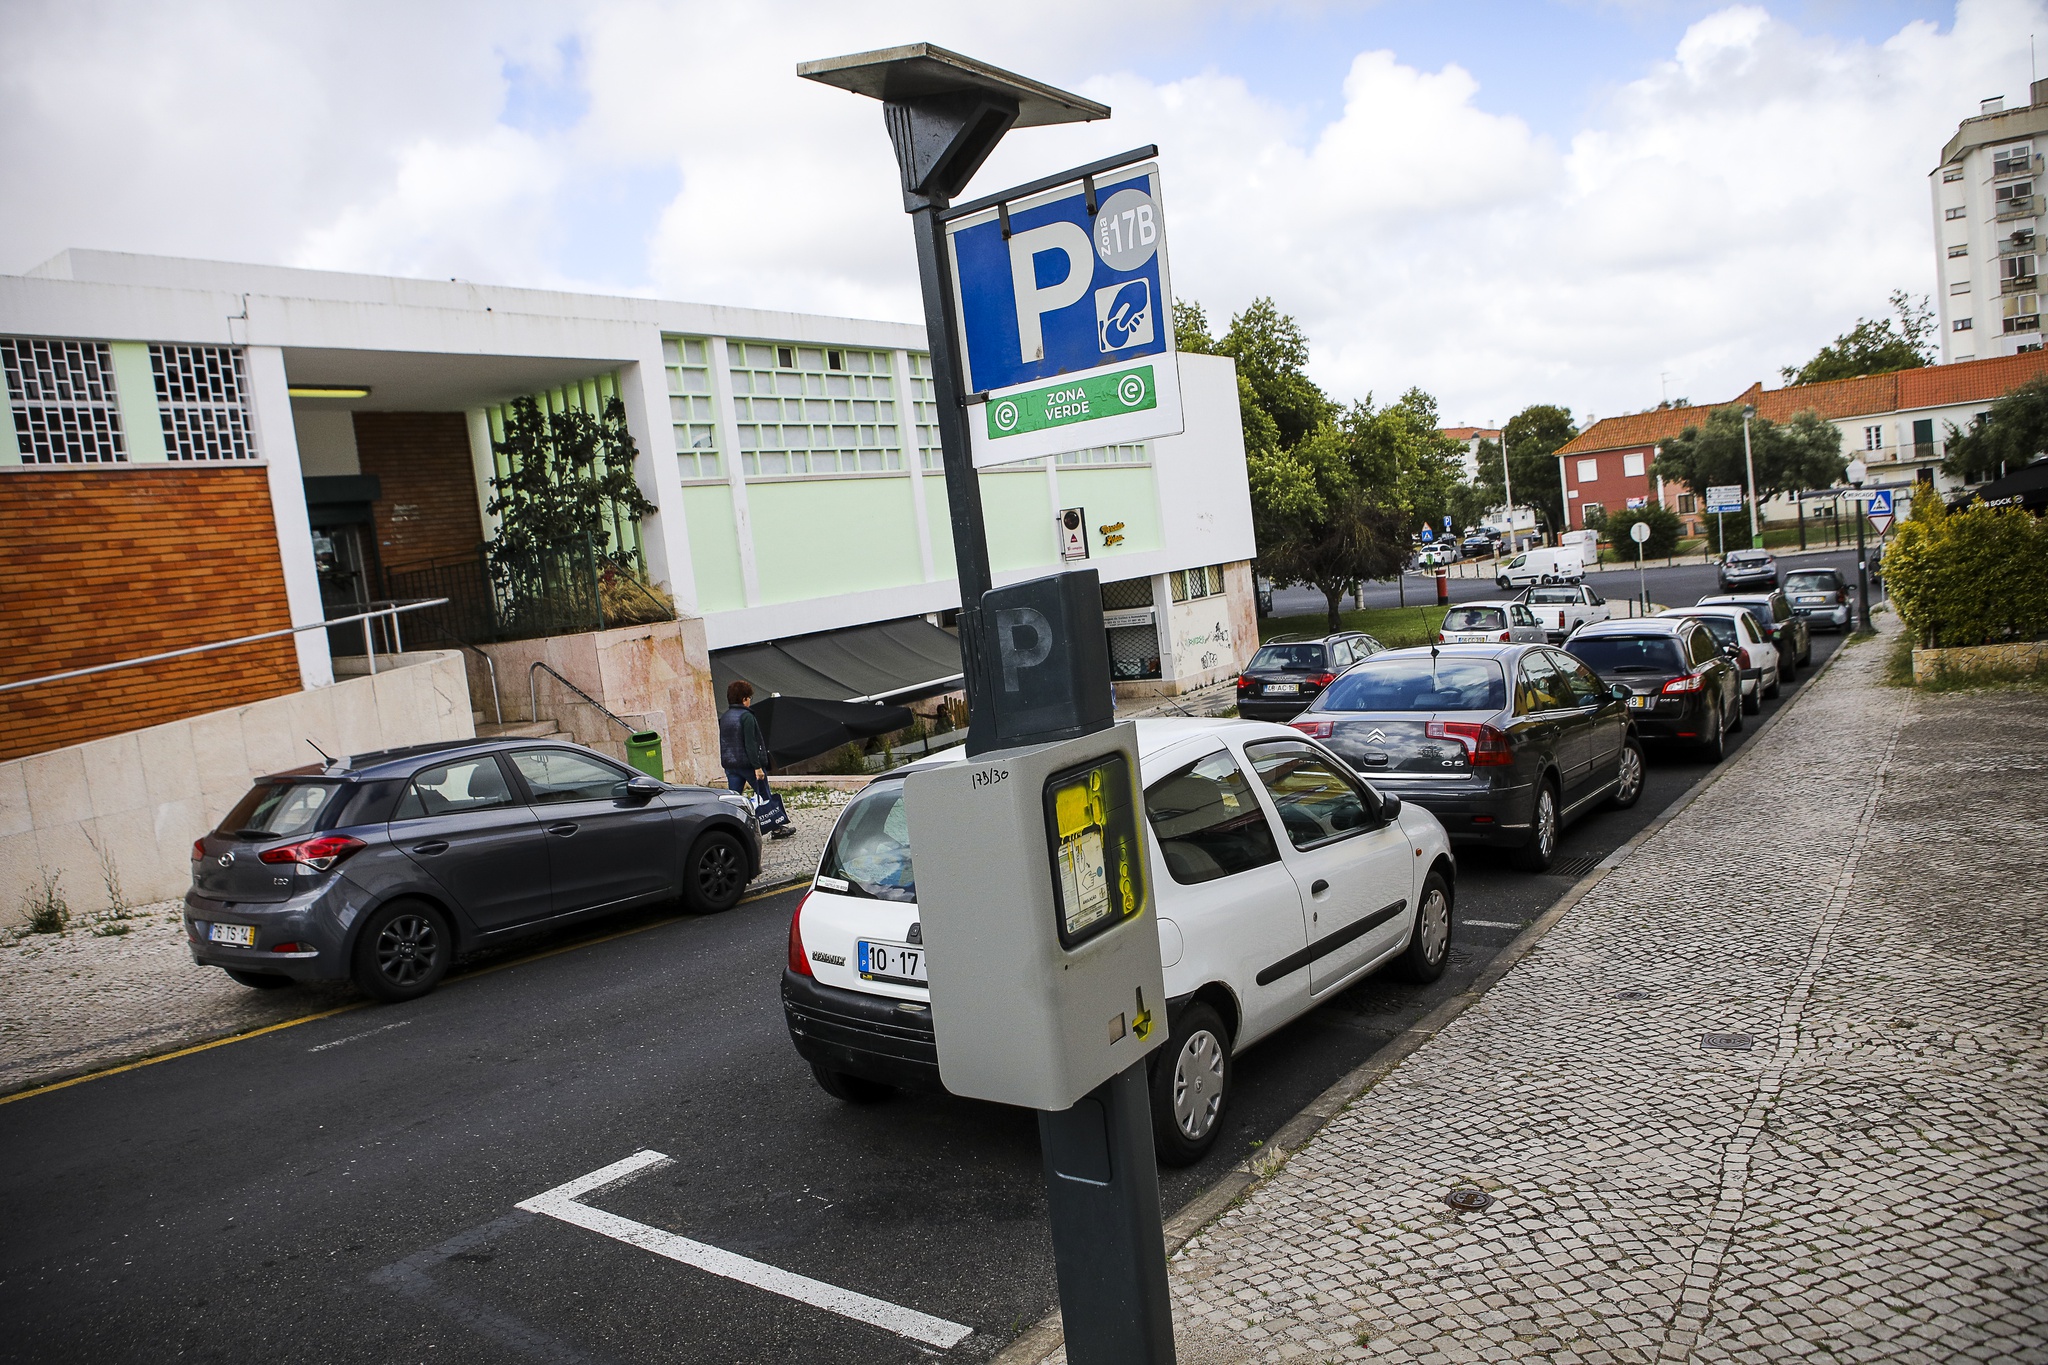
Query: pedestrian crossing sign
{"type": "Point", "coordinates": [1879, 510]}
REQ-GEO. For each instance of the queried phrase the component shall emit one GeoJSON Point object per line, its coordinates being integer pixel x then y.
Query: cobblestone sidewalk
{"type": "Point", "coordinates": [1774, 1089]}
{"type": "Point", "coordinates": [73, 1001]}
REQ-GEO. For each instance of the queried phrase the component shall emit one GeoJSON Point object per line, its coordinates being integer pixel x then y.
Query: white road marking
{"type": "Point", "coordinates": [357, 1037]}
{"type": "Point", "coordinates": [1492, 923]}
{"type": "Point", "coordinates": [563, 1202]}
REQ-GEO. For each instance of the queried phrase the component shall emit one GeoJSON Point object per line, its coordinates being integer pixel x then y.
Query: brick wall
{"type": "Point", "coordinates": [429, 508]}
{"type": "Point", "coordinates": [102, 565]}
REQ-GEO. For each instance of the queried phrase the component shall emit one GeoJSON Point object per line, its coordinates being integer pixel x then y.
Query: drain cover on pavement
{"type": "Point", "coordinates": [1731, 1042]}
{"type": "Point", "coordinates": [1468, 1198]}
{"type": "Point", "coordinates": [1578, 865]}
{"type": "Point", "coordinates": [1632, 994]}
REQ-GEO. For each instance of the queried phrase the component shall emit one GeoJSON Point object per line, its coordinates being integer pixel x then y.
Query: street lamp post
{"type": "Point", "coordinates": [1508, 485]}
{"type": "Point", "coordinates": [1756, 535]}
{"type": "Point", "coordinates": [1858, 471]}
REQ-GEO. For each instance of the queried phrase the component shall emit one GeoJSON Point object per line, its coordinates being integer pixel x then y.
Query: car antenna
{"type": "Point", "coordinates": [323, 753]}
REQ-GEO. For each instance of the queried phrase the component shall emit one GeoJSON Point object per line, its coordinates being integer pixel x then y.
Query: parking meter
{"type": "Point", "coordinates": [1036, 907]}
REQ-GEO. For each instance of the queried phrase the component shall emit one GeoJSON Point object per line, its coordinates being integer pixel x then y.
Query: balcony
{"type": "Point", "coordinates": [2017, 284]}
{"type": "Point", "coordinates": [2026, 322]}
{"type": "Point", "coordinates": [2019, 206]}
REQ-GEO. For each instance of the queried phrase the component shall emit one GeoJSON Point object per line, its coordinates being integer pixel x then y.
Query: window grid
{"type": "Point", "coordinates": [63, 401]}
{"type": "Point", "coordinates": [688, 362]}
{"type": "Point", "coordinates": [202, 399]}
{"type": "Point", "coordinates": [813, 409]}
{"type": "Point", "coordinates": [1873, 438]}
{"type": "Point", "coordinates": [924, 410]}
{"type": "Point", "coordinates": [1189, 584]}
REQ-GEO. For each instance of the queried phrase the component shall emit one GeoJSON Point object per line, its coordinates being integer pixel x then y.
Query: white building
{"type": "Point", "coordinates": [1987, 208]}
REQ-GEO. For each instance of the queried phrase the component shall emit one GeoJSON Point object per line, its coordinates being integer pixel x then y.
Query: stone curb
{"type": "Point", "coordinates": [1046, 1335]}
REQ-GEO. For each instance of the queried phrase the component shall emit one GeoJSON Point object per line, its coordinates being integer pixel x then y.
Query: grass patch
{"type": "Point", "coordinates": [1898, 662]}
{"type": "Point", "coordinates": [1898, 672]}
{"type": "Point", "coordinates": [1394, 627]}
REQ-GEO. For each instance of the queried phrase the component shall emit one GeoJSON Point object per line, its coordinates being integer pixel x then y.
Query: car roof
{"type": "Point", "coordinates": [1311, 639]}
{"type": "Point", "coordinates": [1749, 554]}
{"type": "Point", "coordinates": [1493, 650]}
{"type": "Point", "coordinates": [1627, 625]}
{"type": "Point", "coordinates": [1734, 597]}
{"type": "Point", "coordinates": [401, 761]}
{"type": "Point", "coordinates": [1729, 609]}
{"type": "Point", "coordinates": [1492, 602]}
{"type": "Point", "coordinates": [1156, 734]}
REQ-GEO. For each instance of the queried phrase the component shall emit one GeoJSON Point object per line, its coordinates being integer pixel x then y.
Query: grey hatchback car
{"type": "Point", "coordinates": [384, 867]}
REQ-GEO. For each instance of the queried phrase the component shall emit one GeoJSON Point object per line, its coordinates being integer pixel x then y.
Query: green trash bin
{"type": "Point", "coordinates": [643, 751]}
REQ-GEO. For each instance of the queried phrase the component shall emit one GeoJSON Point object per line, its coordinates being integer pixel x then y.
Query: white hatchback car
{"type": "Point", "coordinates": [1756, 657]}
{"type": "Point", "coordinates": [1280, 876]}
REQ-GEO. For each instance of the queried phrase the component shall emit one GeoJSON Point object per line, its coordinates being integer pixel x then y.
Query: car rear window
{"type": "Point", "coordinates": [1296, 658]}
{"type": "Point", "coordinates": [1475, 618]}
{"type": "Point", "coordinates": [279, 810]}
{"type": "Point", "coordinates": [1621, 654]}
{"type": "Point", "coordinates": [1418, 683]}
{"type": "Point", "coordinates": [869, 854]}
{"type": "Point", "coordinates": [1809, 581]}
{"type": "Point", "coordinates": [1554, 595]}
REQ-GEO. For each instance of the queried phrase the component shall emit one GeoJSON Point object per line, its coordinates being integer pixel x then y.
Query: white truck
{"type": "Point", "coordinates": [1565, 607]}
{"type": "Point", "coordinates": [1531, 567]}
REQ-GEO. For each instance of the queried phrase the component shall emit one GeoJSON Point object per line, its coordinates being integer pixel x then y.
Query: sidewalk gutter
{"type": "Point", "coordinates": [1046, 1335]}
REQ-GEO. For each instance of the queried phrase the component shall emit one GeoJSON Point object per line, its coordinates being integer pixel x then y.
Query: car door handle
{"type": "Point", "coordinates": [565, 828]}
{"type": "Point", "coordinates": [1319, 887]}
{"type": "Point", "coordinates": [431, 847]}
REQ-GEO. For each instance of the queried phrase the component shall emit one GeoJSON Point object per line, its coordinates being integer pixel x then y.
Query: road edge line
{"type": "Point", "coordinates": [1047, 1335]}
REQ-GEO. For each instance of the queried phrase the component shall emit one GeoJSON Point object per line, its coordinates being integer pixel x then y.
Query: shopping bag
{"type": "Point", "coordinates": [770, 812]}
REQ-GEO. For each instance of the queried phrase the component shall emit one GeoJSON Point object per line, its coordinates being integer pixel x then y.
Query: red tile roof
{"type": "Point", "coordinates": [1467, 433]}
{"type": "Point", "coordinates": [1636, 429]}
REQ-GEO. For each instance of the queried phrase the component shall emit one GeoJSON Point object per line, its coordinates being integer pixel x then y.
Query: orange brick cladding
{"type": "Point", "coordinates": [102, 565]}
{"type": "Point", "coordinates": [428, 510]}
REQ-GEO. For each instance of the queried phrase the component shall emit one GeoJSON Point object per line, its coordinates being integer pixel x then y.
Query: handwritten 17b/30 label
{"type": "Point", "coordinates": [1059, 405]}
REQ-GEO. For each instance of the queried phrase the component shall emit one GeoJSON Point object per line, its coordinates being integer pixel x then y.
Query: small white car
{"type": "Point", "coordinates": [1280, 879]}
{"type": "Point", "coordinates": [1566, 607]}
{"type": "Point", "coordinates": [1490, 623]}
{"type": "Point", "coordinates": [1757, 657]}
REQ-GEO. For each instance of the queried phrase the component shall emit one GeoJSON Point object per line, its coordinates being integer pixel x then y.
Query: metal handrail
{"type": "Point", "coordinates": [533, 696]}
{"type": "Point", "coordinates": [497, 707]}
{"type": "Point", "coordinates": [365, 617]}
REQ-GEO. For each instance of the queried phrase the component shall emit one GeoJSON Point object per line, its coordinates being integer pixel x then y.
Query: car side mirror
{"type": "Point", "coordinates": [1620, 691]}
{"type": "Point", "coordinates": [642, 788]}
{"type": "Point", "coordinates": [1732, 651]}
{"type": "Point", "coordinates": [1390, 806]}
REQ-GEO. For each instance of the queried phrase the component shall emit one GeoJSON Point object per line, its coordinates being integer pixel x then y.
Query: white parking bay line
{"type": "Point", "coordinates": [564, 1202]}
{"type": "Point", "coordinates": [1492, 923]}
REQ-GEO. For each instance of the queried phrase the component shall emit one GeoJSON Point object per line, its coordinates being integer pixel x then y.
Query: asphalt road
{"type": "Point", "coordinates": [346, 1190]}
{"type": "Point", "coordinates": [1681, 585]}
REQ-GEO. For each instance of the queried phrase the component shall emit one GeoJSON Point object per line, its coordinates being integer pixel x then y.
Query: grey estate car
{"type": "Point", "coordinates": [383, 867]}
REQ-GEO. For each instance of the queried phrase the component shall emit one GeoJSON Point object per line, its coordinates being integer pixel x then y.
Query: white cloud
{"type": "Point", "coordinates": [1716, 216]}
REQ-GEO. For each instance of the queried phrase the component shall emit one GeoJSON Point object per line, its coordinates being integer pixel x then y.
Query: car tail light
{"type": "Point", "coordinates": [1504, 636]}
{"type": "Point", "coordinates": [1315, 729]}
{"type": "Point", "coordinates": [1245, 684]}
{"type": "Point", "coordinates": [1323, 679]}
{"type": "Point", "coordinates": [1742, 656]}
{"type": "Point", "coordinates": [1485, 745]}
{"type": "Point", "coordinates": [1689, 683]}
{"type": "Point", "coordinates": [1440, 637]}
{"type": "Point", "coordinates": [317, 854]}
{"type": "Point", "coordinates": [799, 962]}
{"type": "Point", "coordinates": [198, 849]}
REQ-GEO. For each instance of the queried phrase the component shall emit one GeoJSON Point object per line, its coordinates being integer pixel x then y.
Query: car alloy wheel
{"type": "Point", "coordinates": [1535, 855]}
{"type": "Point", "coordinates": [1628, 776]}
{"type": "Point", "coordinates": [1198, 1085]}
{"type": "Point", "coordinates": [717, 873]}
{"type": "Point", "coordinates": [407, 949]}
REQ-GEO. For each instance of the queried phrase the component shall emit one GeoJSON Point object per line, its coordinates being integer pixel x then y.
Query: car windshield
{"type": "Point", "coordinates": [1475, 618]}
{"type": "Point", "coordinates": [1747, 557]}
{"type": "Point", "coordinates": [1539, 596]}
{"type": "Point", "coordinates": [278, 810]}
{"type": "Point", "coordinates": [1613, 655]}
{"type": "Point", "coordinates": [869, 854]}
{"type": "Point", "coordinates": [1418, 683]}
{"type": "Point", "coordinates": [1297, 658]}
{"type": "Point", "coordinates": [1809, 581]}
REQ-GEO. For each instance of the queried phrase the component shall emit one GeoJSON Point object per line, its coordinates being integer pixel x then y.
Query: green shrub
{"type": "Point", "coordinates": [1665, 528]}
{"type": "Point", "coordinates": [48, 911]}
{"type": "Point", "coordinates": [1974, 577]}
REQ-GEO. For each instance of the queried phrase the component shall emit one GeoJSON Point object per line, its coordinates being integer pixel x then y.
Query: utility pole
{"type": "Point", "coordinates": [1857, 472]}
{"type": "Point", "coordinates": [1756, 534]}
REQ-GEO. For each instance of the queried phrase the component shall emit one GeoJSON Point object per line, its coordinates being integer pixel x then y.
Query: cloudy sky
{"type": "Point", "coordinates": [1587, 202]}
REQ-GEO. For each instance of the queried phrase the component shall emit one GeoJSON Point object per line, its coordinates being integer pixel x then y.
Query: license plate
{"type": "Point", "coordinates": [1809, 600]}
{"type": "Point", "coordinates": [241, 935]}
{"type": "Point", "coordinates": [902, 962]}
{"type": "Point", "coordinates": [1638, 702]}
{"type": "Point", "coordinates": [1283, 689]}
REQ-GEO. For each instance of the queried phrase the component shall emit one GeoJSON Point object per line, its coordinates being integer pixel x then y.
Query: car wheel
{"type": "Point", "coordinates": [851, 1089]}
{"type": "Point", "coordinates": [1429, 947]}
{"type": "Point", "coordinates": [1190, 1086]}
{"type": "Point", "coordinates": [403, 951]}
{"type": "Point", "coordinates": [715, 873]}
{"type": "Point", "coordinates": [261, 981]}
{"type": "Point", "coordinates": [1628, 775]}
{"type": "Point", "coordinates": [1714, 747]}
{"type": "Point", "coordinates": [1535, 855]}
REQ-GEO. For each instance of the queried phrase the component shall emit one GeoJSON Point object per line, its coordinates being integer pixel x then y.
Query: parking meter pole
{"type": "Point", "coordinates": [1102, 1190]}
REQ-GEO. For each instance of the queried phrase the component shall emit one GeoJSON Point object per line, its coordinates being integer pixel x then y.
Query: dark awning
{"type": "Point", "coordinates": [888, 661]}
{"type": "Point", "coordinates": [2026, 488]}
{"type": "Point", "coordinates": [797, 728]}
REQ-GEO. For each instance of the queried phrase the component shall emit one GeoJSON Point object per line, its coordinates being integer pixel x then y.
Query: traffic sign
{"type": "Point", "coordinates": [1724, 497]}
{"type": "Point", "coordinates": [1065, 313]}
{"type": "Point", "coordinates": [1879, 509]}
{"type": "Point", "coordinates": [1639, 532]}
{"type": "Point", "coordinates": [1427, 534]}
{"type": "Point", "coordinates": [1447, 521]}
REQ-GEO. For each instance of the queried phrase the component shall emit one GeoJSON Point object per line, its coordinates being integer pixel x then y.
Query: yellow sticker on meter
{"type": "Point", "coordinates": [1095, 850]}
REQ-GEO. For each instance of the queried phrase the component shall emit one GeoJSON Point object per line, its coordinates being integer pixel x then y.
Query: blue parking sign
{"type": "Point", "coordinates": [1066, 319]}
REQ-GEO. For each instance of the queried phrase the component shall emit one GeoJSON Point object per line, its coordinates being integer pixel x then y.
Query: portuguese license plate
{"type": "Point", "coordinates": [900, 962]}
{"type": "Point", "coordinates": [240, 935]}
{"type": "Point", "coordinates": [1283, 689]}
{"type": "Point", "coordinates": [1638, 703]}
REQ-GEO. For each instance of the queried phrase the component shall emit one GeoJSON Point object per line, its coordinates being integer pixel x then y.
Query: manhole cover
{"type": "Point", "coordinates": [1632, 995]}
{"type": "Point", "coordinates": [1730, 1042]}
{"type": "Point", "coordinates": [1578, 865]}
{"type": "Point", "coordinates": [1468, 1198]}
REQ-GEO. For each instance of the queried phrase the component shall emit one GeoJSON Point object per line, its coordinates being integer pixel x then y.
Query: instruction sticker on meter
{"type": "Point", "coordinates": [1090, 818]}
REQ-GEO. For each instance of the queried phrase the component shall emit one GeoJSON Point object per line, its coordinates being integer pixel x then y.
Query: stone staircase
{"type": "Point", "coordinates": [513, 729]}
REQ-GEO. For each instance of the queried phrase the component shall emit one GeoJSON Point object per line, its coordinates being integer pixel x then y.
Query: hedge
{"type": "Point", "coordinates": [1973, 577]}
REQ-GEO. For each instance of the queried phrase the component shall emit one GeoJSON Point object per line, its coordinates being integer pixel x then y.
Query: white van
{"type": "Point", "coordinates": [1559, 565]}
{"type": "Point", "coordinates": [1587, 543]}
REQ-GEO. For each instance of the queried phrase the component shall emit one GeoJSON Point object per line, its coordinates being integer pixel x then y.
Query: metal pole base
{"type": "Point", "coordinates": [1102, 1192]}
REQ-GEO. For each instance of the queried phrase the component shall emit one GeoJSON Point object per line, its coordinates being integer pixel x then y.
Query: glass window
{"type": "Point", "coordinates": [1700, 646]}
{"type": "Point", "coordinates": [1207, 822]}
{"type": "Point", "coordinates": [1583, 688]}
{"type": "Point", "coordinates": [1555, 597]}
{"type": "Point", "coordinates": [453, 788]}
{"type": "Point", "coordinates": [1620, 655]}
{"type": "Point", "coordinates": [1722, 628]}
{"type": "Point", "coordinates": [1538, 687]}
{"type": "Point", "coordinates": [1812, 580]}
{"type": "Point", "coordinates": [1290, 658]}
{"type": "Point", "coordinates": [869, 853]}
{"type": "Point", "coordinates": [1521, 615]}
{"type": "Point", "coordinates": [1317, 803]}
{"type": "Point", "coordinates": [1418, 683]}
{"type": "Point", "coordinates": [1474, 618]}
{"type": "Point", "coordinates": [556, 775]}
{"type": "Point", "coordinates": [1632, 465]}
{"type": "Point", "coordinates": [278, 810]}
{"type": "Point", "coordinates": [1589, 471]}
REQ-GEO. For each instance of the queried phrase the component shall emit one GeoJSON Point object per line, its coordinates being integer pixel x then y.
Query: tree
{"type": "Point", "coordinates": [1873, 347]}
{"type": "Point", "coordinates": [1316, 521]}
{"type": "Point", "coordinates": [1532, 436]}
{"type": "Point", "coordinates": [1665, 528]}
{"type": "Point", "coordinates": [1805, 452]}
{"type": "Point", "coordinates": [2012, 435]}
{"type": "Point", "coordinates": [1271, 354]}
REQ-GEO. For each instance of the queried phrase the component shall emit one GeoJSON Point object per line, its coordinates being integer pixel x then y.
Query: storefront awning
{"type": "Point", "coordinates": [888, 661]}
{"type": "Point", "coordinates": [2027, 487]}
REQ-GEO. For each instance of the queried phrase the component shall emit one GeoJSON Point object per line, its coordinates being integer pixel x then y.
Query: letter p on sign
{"type": "Point", "coordinates": [1008, 624]}
{"type": "Point", "coordinates": [1033, 302]}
